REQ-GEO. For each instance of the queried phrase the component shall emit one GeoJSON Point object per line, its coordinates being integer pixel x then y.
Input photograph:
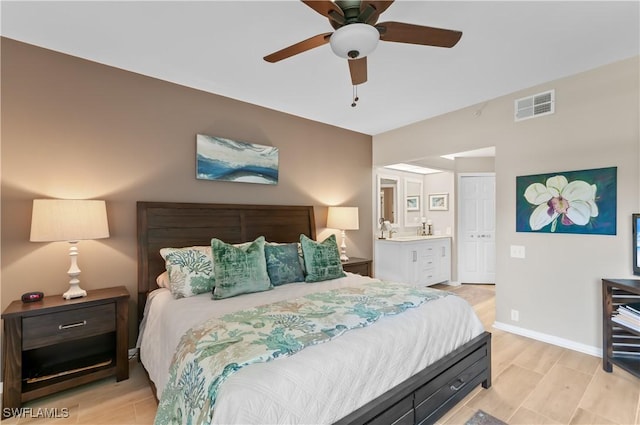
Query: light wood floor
{"type": "Point", "coordinates": [538, 383]}
{"type": "Point", "coordinates": [533, 383]}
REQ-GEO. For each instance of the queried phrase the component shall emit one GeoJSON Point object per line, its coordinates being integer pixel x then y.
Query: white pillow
{"type": "Point", "coordinates": [163, 280]}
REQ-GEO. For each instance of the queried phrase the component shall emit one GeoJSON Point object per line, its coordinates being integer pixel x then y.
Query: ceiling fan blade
{"type": "Point", "coordinates": [418, 34]}
{"type": "Point", "coordinates": [358, 70]}
{"type": "Point", "coordinates": [370, 10]}
{"type": "Point", "coordinates": [328, 9]}
{"type": "Point", "coordinates": [303, 46]}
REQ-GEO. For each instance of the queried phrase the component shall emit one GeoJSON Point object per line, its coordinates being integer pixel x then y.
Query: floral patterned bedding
{"type": "Point", "coordinates": [211, 352]}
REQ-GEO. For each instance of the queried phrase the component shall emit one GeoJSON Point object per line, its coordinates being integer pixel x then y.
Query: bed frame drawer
{"type": "Point", "coordinates": [53, 328]}
{"type": "Point", "coordinates": [453, 373]}
{"type": "Point", "coordinates": [407, 419]}
{"type": "Point", "coordinates": [429, 391]}
{"type": "Point", "coordinates": [428, 407]}
{"type": "Point", "coordinates": [400, 413]}
{"type": "Point", "coordinates": [436, 393]}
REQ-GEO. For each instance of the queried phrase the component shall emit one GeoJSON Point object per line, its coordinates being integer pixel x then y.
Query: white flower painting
{"type": "Point", "coordinates": [570, 202]}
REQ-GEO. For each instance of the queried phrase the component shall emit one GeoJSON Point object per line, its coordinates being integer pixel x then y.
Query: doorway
{"type": "Point", "coordinates": [476, 228]}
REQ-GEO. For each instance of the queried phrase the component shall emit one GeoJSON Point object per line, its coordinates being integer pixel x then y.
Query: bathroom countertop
{"type": "Point", "coordinates": [413, 238]}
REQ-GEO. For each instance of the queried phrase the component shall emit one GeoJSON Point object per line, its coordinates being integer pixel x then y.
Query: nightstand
{"type": "Point", "coordinates": [360, 266]}
{"type": "Point", "coordinates": [56, 344]}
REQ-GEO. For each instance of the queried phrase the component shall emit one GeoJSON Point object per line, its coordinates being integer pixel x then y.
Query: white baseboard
{"type": "Point", "coordinates": [550, 339]}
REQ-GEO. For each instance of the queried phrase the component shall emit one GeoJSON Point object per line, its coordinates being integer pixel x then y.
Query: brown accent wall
{"type": "Point", "coordinates": [72, 128]}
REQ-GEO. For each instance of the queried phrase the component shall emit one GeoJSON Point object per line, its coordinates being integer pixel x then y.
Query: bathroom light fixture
{"type": "Point", "coordinates": [412, 168]}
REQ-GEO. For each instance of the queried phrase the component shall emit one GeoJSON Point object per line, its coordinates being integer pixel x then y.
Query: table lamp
{"type": "Point", "coordinates": [343, 218]}
{"type": "Point", "coordinates": [69, 220]}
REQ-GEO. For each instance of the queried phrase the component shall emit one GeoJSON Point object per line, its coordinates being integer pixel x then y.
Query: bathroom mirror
{"type": "Point", "coordinates": [413, 202]}
{"type": "Point", "coordinates": [387, 198]}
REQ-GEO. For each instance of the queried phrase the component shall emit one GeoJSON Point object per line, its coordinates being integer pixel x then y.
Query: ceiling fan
{"type": "Point", "coordinates": [357, 33]}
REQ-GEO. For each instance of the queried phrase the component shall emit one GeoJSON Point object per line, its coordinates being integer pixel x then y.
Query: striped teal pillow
{"type": "Point", "coordinates": [239, 269]}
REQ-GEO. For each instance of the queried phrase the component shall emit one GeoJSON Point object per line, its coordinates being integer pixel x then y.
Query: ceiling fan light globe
{"type": "Point", "coordinates": [360, 38]}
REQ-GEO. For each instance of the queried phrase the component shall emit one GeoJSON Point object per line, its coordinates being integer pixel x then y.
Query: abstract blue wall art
{"type": "Point", "coordinates": [568, 202]}
{"type": "Point", "coordinates": [229, 160]}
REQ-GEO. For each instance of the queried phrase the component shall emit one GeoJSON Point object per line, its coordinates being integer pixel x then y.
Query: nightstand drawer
{"type": "Point", "coordinates": [361, 269]}
{"type": "Point", "coordinates": [360, 266]}
{"type": "Point", "coordinates": [40, 331]}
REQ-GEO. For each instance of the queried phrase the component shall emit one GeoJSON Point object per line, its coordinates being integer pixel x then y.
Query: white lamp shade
{"type": "Point", "coordinates": [361, 38]}
{"type": "Point", "coordinates": [343, 218]}
{"type": "Point", "coordinates": [68, 220]}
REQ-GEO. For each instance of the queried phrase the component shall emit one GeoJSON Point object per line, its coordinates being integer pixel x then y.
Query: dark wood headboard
{"type": "Point", "coordinates": [172, 224]}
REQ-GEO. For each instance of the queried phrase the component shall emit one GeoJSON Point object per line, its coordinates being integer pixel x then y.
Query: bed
{"type": "Point", "coordinates": [420, 387]}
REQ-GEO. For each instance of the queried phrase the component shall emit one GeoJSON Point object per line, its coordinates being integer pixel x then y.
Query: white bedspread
{"type": "Point", "coordinates": [322, 383]}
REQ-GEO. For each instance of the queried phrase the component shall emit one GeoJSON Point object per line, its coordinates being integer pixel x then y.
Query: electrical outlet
{"type": "Point", "coordinates": [517, 251]}
{"type": "Point", "coordinates": [448, 232]}
{"type": "Point", "coordinates": [515, 315]}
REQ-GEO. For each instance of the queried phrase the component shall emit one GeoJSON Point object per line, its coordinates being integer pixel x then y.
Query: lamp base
{"type": "Point", "coordinates": [75, 291]}
{"type": "Point", "coordinates": [343, 249]}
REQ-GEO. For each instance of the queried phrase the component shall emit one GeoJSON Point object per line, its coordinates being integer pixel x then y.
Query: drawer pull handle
{"type": "Point", "coordinates": [72, 325]}
{"type": "Point", "coordinates": [454, 388]}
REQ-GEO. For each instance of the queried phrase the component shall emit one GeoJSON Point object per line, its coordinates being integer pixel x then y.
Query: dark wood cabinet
{"type": "Point", "coordinates": [620, 344]}
{"type": "Point", "coordinates": [360, 266]}
{"type": "Point", "coordinates": [56, 344]}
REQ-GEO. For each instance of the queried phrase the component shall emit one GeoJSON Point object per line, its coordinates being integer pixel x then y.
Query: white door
{"type": "Point", "coordinates": [476, 228]}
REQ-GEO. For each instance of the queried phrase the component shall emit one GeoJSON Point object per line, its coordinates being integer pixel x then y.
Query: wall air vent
{"type": "Point", "coordinates": [535, 106]}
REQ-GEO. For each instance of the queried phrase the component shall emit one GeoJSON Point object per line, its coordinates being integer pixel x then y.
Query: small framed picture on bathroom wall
{"type": "Point", "coordinates": [413, 203]}
{"type": "Point", "coordinates": [438, 201]}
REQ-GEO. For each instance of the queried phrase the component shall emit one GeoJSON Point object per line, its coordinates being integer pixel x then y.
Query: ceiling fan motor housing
{"type": "Point", "coordinates": [354, 40]}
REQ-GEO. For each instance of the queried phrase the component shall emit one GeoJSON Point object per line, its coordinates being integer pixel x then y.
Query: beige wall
{"type": "Point", "coordinates": [556, 288]}
{"type": "Point", "coordinates": [77, 129]}
{"type": "Point", "coordinates": [475, 165]}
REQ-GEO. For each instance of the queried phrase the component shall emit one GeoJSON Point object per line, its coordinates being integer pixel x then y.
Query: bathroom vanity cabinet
{"type": "Point", "coordinates": [419, 260]}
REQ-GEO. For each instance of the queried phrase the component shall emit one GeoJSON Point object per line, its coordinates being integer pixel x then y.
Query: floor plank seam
{"type": "Point", "coordinates": [575, 412]}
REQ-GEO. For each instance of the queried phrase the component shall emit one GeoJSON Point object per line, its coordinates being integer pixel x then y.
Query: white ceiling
{"type": "Point", "coordinates": [217, 46]}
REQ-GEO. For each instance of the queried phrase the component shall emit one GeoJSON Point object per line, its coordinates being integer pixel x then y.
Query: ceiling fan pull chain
{"type": "Point", "coordinates": [355, 96]}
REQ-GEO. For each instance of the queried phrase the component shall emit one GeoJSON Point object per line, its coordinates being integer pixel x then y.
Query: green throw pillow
{"type": "Point", "coordinates": [321, 259]}
{"type": "Point", "coordinates": [283, 263]}
{"type": "Point", "coordinates": [239, 269]}
{"type": "Point", "coordinates": [190, 270]}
